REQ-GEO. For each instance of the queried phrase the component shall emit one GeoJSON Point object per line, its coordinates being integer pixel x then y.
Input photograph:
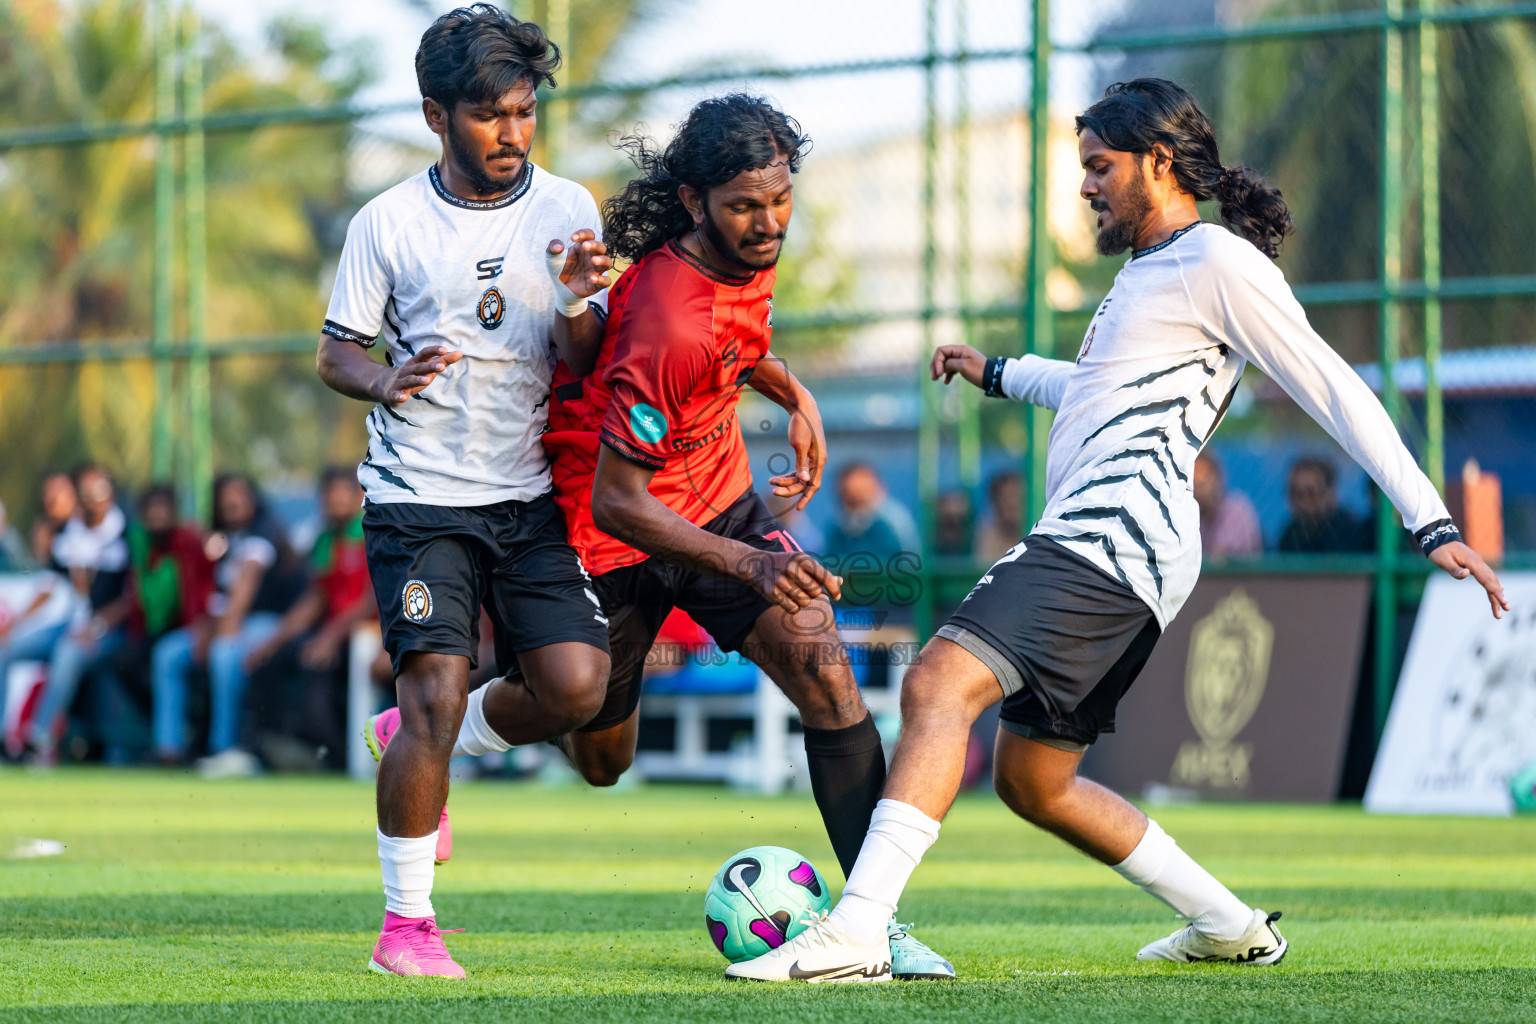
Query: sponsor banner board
{"type": "Point", "coordinates": [1463, 719]}
{"type": "Point", "coordinates": [1247, 695]}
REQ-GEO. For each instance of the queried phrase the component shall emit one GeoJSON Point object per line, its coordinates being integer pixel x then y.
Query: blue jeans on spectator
{"type": "Point", "coordinates": [170, 667]}
{"type": "Point", "coordinates": [72, 658]}
{"type": "Point", "coordinates": [27, 644]}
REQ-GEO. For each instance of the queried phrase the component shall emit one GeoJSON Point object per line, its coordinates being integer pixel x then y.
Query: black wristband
{"type": "Point", "coordinates": [992, 377]}
{"type": "Point", "coordinates": [1437, 534]}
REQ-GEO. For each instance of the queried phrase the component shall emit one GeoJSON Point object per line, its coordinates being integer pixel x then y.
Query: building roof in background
{"type": "Point", "coordinates": [1465, 372]}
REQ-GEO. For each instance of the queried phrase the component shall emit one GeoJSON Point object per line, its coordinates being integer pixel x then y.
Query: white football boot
{"type": "Point", "coordinates": [821, 953]}
{"type": "Point", "coordinates": [1261, 944]}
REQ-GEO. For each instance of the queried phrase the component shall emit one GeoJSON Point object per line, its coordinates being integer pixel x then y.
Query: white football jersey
{"type": "Point", "coordinates": [1160, 361]}
{"type": "Point", "coordinates": [421, 267]}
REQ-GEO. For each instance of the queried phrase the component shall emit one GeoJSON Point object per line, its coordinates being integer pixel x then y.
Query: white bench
{"type": "Point", "coordinates": [773, 757]}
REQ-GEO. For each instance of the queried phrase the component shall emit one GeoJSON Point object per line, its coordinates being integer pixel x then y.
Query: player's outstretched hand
{"type": "Point", "coordinates": [584, 271]}
{"type": "Point", "coordinates": [962, 359]}
{"type": "Point", "coordinates": [416, 373]}
{"type": "Point", "coordinates": [793, 579]}
{"type": "Point", "coordinates": [1461, 561]}
{"type": "Point", "coordinates": [809, 440]}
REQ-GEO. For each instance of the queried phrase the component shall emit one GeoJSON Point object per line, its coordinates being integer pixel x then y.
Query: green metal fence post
{"type": "Point", "coordinates": [928, 421]}
{"type": "Point", "coordinates": [1389, 328]}
{"type": "Point", "coordinates": [558, 114]}
{"type": "Point", "coordinates": [199, 429]}
{"type": "Point", "coordinates": [970, 398]}
{"type": "Point", "coordinates": [1434, 325]}
{"type": "Point", "coordinates": [1039, 325]}
{"type": "Point", "coordinates": [162, 449]}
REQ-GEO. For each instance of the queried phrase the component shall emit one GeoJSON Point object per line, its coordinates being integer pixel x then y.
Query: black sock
{"type": "Point", "coordinates": [847, 774]}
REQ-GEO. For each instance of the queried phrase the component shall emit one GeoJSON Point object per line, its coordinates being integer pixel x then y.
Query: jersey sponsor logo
{"type": "Point", "coordinates": [693, 444]}
{"type": "Point", "coordinates": [489, 268]}
{"type": "Point", "coordinates": [491, 308]}
{"type": "Point", "coordinates": [417, 601]}
{"type": "Point", "coordinates": [647, 422]}
{"type": "Point", "coordinates": [1087, 343]}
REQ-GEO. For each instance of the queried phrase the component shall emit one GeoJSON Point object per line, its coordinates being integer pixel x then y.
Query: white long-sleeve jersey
{"type": "Point", "coordinates": [1158, 366]}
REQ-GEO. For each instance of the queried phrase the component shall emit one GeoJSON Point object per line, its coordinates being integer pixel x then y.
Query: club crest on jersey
{"type": "Point", "coordinates": [491, 309]}
{"type": "Point", "coordinates": [417, 601]}
{"type": "Point", "coordinates": [648, 423]}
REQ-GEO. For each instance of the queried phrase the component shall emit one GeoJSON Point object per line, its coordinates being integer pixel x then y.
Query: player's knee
{"type": "Point", "coordinates": [1027, 797]}
{"type": "Point", "coordinates": [924, 692]}
{"type": "Point", "coordinates": [605, 768]}
{"type": "Point", "coordinates": [433, 705]}
{"type": "Point", "coordinates": [576, 697]}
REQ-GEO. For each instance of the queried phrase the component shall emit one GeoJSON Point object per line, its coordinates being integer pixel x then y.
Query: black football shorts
{"type": "Point", "coordinates": [638, 598]}
{"type": "Point", "coordinates": [1063, 638]}
{"type": "Point", "coordinates": [434, 566]}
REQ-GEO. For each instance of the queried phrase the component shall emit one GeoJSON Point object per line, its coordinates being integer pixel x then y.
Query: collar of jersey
{"type": "Point", "coordinates": [704, 268]}
{"type": "Point", "coordinates": [518, 191]}
{"type": "Point", "coordinates": [1165, 243]}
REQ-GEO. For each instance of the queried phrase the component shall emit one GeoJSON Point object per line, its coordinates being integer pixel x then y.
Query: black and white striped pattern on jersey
{"type": "Point", "coordinates": [1103, 514]}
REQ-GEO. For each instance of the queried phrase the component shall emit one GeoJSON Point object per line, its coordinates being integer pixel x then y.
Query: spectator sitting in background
{"type": "Point", "coordinates": [870, 521]}
{"type": "Point", "coordinates": [1228, 523]}
{"type": "Point", "coordinates": [300, 694]}
{"type": "Point", "coordinates": [1317, 523]}
{"type": "Point", "coordinates": [92, 551]}
{"type": "Point", "coordinates": [1003, 526]}
{"type": "Point", "coordinates": [952, 525]}
{"type": "Point", "coordinates": [59, 504]}
{"type": "Point", "coordinates": [13, 550]}
{"type": "Point", "coordinates": [167, 574]}
{"type": "Point", "coordinates": [251, 569]}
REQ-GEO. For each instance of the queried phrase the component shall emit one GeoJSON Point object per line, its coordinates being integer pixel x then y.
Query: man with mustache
{"type": "Point", "coordinates": [651, 470]}
{"type": "Point", "coordinates": [1060, 627]}
{"type": "Point", "coordinates": [477, 273]}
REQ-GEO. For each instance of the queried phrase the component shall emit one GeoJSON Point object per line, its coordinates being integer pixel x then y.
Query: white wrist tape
{"type": "Point", "coordinates": [566, 301]}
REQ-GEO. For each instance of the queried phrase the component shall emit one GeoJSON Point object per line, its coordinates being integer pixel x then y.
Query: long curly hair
{"type": "Point", "coordinates": [721, 138]}
{"type": "Point", "coordinates": [1135, 115]}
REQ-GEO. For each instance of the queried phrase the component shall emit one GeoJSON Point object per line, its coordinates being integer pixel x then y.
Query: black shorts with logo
{"type": "Point", "coordinates": [638, 598]}
{"type": "Point", "coordinates": [1063, 638]}
{"type": "Point", "coordinates": [434, 566]}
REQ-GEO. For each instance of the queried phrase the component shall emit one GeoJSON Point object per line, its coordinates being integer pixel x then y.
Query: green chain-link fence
{"type": "Point", "coordinates": [166, 255]}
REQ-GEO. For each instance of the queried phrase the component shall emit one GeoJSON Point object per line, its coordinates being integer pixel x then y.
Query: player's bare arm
{"type": "Point", "coordinates": [346, 367]}
{"type": "Point", "coordinates": [807, 437]}
{"type": "Point", "coordinates": [623, 506]}
{"type": "Point", "coordinates": [579, 270]}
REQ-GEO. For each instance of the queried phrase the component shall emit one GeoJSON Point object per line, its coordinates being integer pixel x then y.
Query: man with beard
{"type": "Point", "coordinates": [651, 469]}
{"type": "Point", "coordinates": [1060, 627]}
{"type": "Point", "coordinates": [476, 273]}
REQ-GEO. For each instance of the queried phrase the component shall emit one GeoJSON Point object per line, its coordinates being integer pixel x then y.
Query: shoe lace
{"type": "Point", "coordinates": [817, 932]}
{"type": "Point", "coordinates": [899, 930]}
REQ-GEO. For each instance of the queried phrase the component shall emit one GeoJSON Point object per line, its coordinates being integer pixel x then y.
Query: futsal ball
{"type": "Point", "coordinates": [760, 899]}
{"type": "Point", "coordinates": [1522, 786]}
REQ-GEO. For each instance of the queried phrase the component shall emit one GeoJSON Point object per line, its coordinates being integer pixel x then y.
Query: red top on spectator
{"type": "Point", "coordinates": [340, 567]}
{"type": "Point", "coordinates": [681, 341]}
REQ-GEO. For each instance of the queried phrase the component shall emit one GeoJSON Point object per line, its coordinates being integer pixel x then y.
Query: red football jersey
{"type": "Point", "coordinates": [681, 341]}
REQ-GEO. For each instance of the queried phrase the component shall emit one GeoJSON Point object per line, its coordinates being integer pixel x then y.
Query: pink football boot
{"type": "Point", "coordinates": [378, 731]}
{"type": "Point", "coordinates": [413, 947]}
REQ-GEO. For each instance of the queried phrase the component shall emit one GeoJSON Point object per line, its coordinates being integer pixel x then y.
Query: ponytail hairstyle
{"type": "Point", "coordinates": [721, 138]}
{"type": "Point", "coordinates": [1133, 116]}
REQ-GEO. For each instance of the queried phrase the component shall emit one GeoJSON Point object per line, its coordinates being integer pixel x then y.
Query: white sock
{"type": "Point", "coordinates": [475, 734]}
{"type": "Point", "coordinates": [408, 866]}
{"type": "Point", "coordinates": [1167, 872]}
{"type": "Point", "coordinates": [899, 835]}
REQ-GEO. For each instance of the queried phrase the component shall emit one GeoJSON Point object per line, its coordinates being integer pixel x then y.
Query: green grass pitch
{"type": "Point", "coordinates": [179, 899]}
